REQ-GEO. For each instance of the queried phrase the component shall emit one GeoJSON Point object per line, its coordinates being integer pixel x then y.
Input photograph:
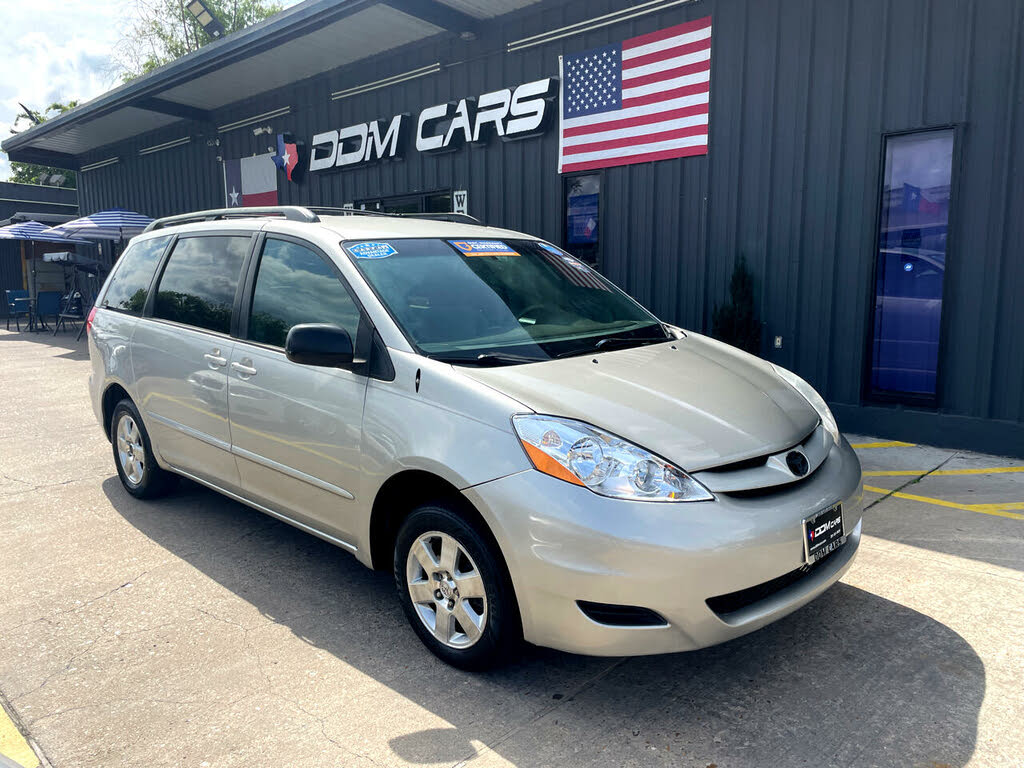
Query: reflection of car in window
{"type": "Point", "coordinates": [908, 306]}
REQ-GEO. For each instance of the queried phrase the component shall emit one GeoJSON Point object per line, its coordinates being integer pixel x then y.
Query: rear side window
{"type": "Point", "coordinates": [129, 286]}
{"type": "Point", "coordinates": [295, 285]}
{"type": "Point", "coordinates": [199, 282]}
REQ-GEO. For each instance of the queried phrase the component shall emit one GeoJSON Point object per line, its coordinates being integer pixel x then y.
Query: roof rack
{"type": "Point", "coordinates": [457, 218]}
{"type": "Point", "coordinates": [290, 212]}
{"type": "Point", "coordinates": [306, 214]}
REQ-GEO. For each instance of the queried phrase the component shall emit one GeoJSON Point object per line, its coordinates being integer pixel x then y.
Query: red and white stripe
{"type": "Point", "coordinates": [581, 275]}
{"type": "Point", "coordinates": [666, 87]}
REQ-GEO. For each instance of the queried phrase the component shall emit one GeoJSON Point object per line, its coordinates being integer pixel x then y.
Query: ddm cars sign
{"type": "Point", "coordinates": [509, 113]}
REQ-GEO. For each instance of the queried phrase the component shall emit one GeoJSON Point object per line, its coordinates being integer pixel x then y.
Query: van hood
{"type": "Point", "coordinates": [696, 402]}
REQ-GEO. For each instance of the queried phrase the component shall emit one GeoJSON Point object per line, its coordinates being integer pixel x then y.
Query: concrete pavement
{"type": "Point", "coordinates": [194, 631]}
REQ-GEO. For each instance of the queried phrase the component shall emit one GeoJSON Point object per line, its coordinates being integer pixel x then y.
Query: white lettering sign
{"type": "Point", "coordinates": [509, 114]}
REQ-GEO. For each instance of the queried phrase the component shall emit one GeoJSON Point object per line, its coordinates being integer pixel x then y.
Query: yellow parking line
{"type": "Point", "coordinates": [999, 510]}
{"type": "Point", "coordinates": [941, 472]}
{"type": "Point", "coordinates": [13, 744]}
{"type": "Point", "coordinates": [889, 444]}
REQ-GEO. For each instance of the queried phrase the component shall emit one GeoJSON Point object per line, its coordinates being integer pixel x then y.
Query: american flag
{"type": "Point", "coordinates": [572, 269]}
{"type": "Point", "coordinates": [640, 100]}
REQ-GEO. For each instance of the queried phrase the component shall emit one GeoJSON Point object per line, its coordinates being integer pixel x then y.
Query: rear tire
{"type": "Point", "coordinates": [454, 589]}
{"type": "Point", "coordinates": [140, 475]}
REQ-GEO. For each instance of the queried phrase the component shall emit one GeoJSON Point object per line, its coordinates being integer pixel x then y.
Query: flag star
{"type": "Point", "coordinates": [234, 196]}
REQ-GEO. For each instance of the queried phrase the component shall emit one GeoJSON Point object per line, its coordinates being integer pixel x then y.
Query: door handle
{"type": "Point", "coordinates": [214, 359]}
{"type": "Point", "coordinates": [245, 370]}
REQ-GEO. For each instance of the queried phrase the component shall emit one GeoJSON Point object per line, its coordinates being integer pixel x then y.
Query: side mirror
{"type": "Point", "coordinates": [321, 344]}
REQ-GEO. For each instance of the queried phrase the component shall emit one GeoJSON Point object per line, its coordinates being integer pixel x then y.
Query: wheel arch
{"type": "Point", "coordinates": [112, 395]}
{"type": "Point", "coordinates": [402, 493]}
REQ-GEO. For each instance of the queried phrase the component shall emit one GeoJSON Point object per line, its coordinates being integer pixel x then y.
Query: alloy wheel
{"type": "Point", "coordinates": [447, 589]}
{"type": "Point", "coordinates": [130, 451]}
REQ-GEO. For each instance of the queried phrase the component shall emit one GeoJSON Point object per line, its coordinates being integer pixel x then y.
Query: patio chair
{"type": "Point", "coordinates": [17, 307]}
{"type": "Point", "coordinates": [48, 305]}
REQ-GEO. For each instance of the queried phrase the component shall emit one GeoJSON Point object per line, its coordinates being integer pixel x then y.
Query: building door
{"type": "Point", "coordinates": [911, 264]}
{"type": "Point", "coordinates": [582, 195]}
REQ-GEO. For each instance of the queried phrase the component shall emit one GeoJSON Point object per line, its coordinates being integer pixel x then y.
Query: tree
{"type": "Point", "coordinates": [164, 30]}
{"type": "Point", "coordinates": [29, 173]}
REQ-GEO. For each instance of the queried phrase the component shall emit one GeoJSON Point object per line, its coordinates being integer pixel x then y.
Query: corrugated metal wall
{"type": "Point", "coordinates": [802, 93]}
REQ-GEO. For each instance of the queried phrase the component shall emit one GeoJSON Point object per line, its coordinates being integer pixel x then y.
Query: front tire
{"type": "Point", "coordinates": [140, 475]}
{"type": "Point", "coordinates": [454, 589]}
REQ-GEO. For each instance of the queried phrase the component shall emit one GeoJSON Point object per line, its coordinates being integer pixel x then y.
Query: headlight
{"type": "Point", "coordinates": [817, 402]}
{"type": "Point", "coordinates": [608, 465]}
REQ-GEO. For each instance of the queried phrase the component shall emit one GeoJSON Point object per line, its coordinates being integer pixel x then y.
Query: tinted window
{"type": "Point", "coordinates": [911, 262]}
{"type": "Point", "coordinates": [295, 285]}
{"type": "Point", "coordinates": [129, 286]}
{"type": "Point", "coordinates": [582, 206]}
{"type": "Point", "coordinates": [198, 284]}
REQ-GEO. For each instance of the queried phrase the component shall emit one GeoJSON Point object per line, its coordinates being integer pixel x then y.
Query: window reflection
{"type": "Point", "coordinates": [582, 208]}
{"type": "Point", "coordinates": [295, 285]}
{"type": "Point", "coordinates": [911, 262]}
{"type": "Point", "coordinates": [199, 282]}
{"type": "Point", "coordinates": [130, 285]}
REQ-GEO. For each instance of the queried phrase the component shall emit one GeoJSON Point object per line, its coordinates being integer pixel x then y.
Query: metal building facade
{"type": "Point", "coordinates": [803, 94]}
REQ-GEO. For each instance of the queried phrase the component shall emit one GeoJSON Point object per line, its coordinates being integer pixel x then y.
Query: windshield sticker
{"type": "Point", "coordinates": [550, 248]}
{"type": "Point", "coordinates": [372, 250]}
{"type": "Point", "coordinates": [483, 248]}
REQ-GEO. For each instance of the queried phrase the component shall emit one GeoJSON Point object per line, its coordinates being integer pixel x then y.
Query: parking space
{"type": "Point", "coordinates": [194, 631]}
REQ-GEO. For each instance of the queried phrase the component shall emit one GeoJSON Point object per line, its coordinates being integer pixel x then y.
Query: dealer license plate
{"type": "Point", "coordinates": [823, 533]}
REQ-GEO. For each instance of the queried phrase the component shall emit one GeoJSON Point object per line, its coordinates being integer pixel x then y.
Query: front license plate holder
{"type": "Point", "coordinates": [823, 533]}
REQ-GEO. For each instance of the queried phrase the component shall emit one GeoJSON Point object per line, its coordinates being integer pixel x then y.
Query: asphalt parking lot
{"type": "Point", "coordinates": [194, 631]}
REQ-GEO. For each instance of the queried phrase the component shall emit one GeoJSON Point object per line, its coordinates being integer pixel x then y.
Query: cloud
{"type": "Point", "coordinates": [57, 51]}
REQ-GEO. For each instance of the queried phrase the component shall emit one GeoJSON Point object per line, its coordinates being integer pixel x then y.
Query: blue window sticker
{"type": "Point", "coordinates": [550, 248]}
{"type": "Point", "coordinates": [372, 250]}
{"type": "Point", "coordinates": [483, 248]}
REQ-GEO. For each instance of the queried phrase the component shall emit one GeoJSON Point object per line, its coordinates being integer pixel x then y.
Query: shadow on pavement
{"type": "Point", "coordinates": [64, 340]}
{"type": "Point", "coordinates": [852, 679]}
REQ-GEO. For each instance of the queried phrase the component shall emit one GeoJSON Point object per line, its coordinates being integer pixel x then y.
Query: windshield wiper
{"type": "Point", "coordinates": [608, 343]}
{"type": "Point", "coordinates": [487, 359]}
{"type": "Point", "coordinates": [614, 342]}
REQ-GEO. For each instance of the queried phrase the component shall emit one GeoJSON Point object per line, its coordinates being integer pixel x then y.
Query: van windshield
{"type": "Point", "coordinates": [499, 302]}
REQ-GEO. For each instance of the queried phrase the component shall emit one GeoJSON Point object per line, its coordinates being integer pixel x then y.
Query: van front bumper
{"type": "Point", "coordinates": [564, 544]}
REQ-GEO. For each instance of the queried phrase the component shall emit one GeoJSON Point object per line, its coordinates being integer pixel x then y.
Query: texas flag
{"type": "Point", "coordinates": [287, 157]}
{"type": "Point", "coordinates": [250, 181]}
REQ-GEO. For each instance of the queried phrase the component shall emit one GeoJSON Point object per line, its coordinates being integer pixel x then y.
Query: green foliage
{"type": "Point", "coordinates": [735, 322]}
{"type": "Point", "coordinates": [193, 310]}
{"type": "Point", "coordinates": [164, 30]}
{"type": "Point", "coordinates": [29, 173]}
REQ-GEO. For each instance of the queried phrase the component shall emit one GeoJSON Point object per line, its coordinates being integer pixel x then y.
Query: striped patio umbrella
{"type": "Point", "coordinates": [112, 224]}
{"type": "Point", "coordinates": [36, 232]}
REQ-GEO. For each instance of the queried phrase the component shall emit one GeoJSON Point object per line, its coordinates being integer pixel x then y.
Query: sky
{"type": "Point", "coordinates": [54, 50]}
{"type": "Point", "coordinates": [57, 50]}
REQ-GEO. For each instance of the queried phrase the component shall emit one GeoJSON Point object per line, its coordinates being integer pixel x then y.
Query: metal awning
{"type": "Point", "coordinates": [293, 45]}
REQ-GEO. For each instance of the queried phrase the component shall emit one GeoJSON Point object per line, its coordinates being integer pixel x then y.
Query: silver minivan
{"type": "Point", "coordinates": [531, 452]}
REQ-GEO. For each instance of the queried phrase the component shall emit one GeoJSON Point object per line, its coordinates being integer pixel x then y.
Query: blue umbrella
{"type": "Point", "coordinates": [33, 230]}
{"type": "Point", "coordinates": [112, 224]}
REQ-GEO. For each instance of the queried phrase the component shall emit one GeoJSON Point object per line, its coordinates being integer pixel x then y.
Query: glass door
{"type": "Point", "coordinates": [911, 264]}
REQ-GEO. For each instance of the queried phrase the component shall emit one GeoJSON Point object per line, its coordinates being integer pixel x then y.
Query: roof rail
{"type": "Point", "coordinates": [290, 212]}
{"type": "Point", "coordinates": [458, 218]}
{"type": "Point", "coordinates": [304, 213]}
{"type": "Point", "coordinates": [455, 218]}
